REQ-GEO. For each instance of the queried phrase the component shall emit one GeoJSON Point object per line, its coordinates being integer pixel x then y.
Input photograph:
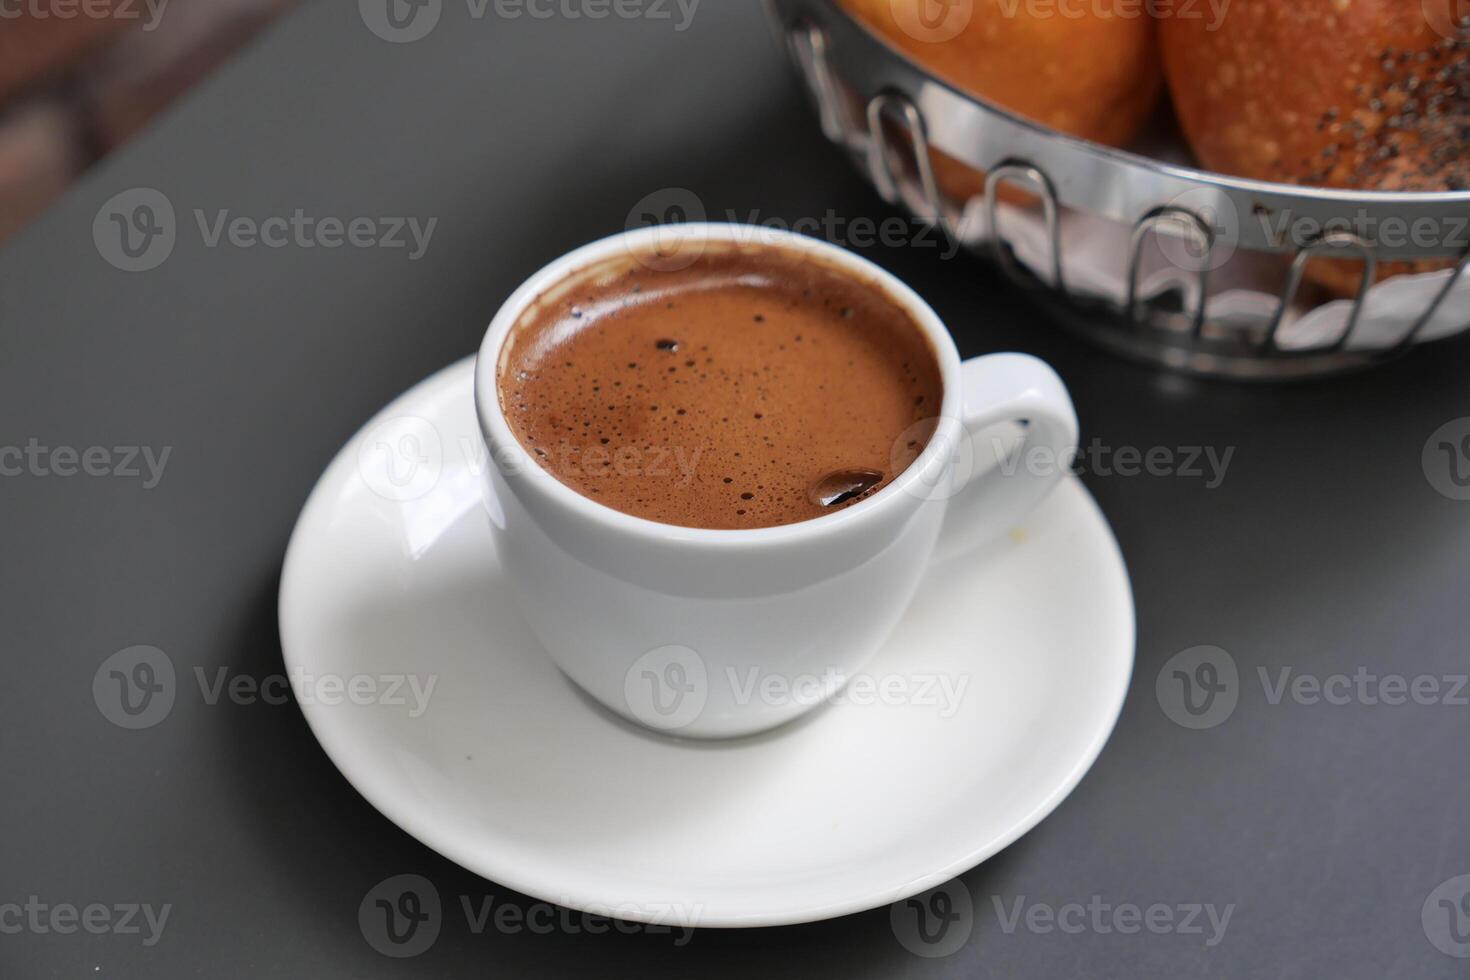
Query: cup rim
{"type": "Point", "coordinates": [497, 432]}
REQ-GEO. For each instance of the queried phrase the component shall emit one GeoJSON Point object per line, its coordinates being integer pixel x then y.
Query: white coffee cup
{"type": "Point", "coordinates": [668, 625]}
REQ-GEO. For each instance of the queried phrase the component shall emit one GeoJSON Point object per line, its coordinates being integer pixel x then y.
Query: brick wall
{"type": "Point", "coordinates": [79, 77]}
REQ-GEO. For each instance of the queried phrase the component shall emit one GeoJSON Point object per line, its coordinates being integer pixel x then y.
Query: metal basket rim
{"type": "Point", "coordinates": [1147, 164]}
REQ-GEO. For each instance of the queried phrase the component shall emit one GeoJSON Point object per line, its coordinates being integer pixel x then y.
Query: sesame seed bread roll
{"type": "Point", "coordinates": [1360, 94]}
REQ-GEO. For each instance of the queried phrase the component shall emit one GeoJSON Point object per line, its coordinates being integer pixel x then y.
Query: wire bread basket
{"type": "Point", "coordinates": [1152, 259]}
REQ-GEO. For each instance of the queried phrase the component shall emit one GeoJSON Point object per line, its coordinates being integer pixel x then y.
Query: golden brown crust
{"type": "Point", "coordinates": [1362, 94]}
{"type": "Point", "coordinates": [1096, 75]}
{"type": "Point", "coordinates": [1366, 94]}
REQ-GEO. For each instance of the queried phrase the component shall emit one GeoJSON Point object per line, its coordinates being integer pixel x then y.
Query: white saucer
{"type": "Point", "coordinates": [514, 774]}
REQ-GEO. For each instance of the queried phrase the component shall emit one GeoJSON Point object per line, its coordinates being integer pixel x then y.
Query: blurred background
{"type": "Point", "coordinates": [80, 77]}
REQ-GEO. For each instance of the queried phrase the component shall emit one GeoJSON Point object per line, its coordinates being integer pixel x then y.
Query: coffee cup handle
{"type": "Point", "coordinates": [1000, 388]}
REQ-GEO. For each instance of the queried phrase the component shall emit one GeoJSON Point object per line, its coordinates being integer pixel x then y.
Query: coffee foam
{"type": "Point", "coordinates": [737, 392]}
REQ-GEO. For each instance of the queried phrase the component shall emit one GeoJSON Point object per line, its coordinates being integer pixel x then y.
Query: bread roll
{"type": "Point", "coordinates": [1073, 66]}
{"type": "Point", "coordinates": [1363, 94]}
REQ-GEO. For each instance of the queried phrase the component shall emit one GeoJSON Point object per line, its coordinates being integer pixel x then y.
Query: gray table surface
{"type": "Point", "coordinates": [1326, 548]}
